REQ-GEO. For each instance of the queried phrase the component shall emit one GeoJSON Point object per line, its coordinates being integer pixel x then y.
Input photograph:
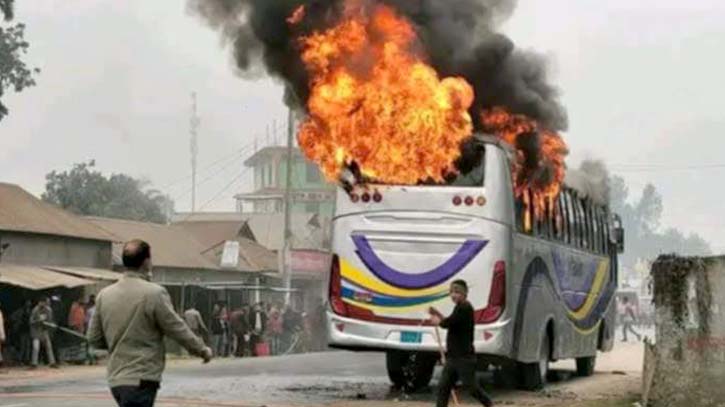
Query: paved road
{"type": "Point", "coordinates": [334, 378]}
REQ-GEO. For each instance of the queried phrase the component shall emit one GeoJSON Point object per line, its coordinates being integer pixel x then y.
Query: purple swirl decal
{"type": "Point", "coordinates": [451, 267]}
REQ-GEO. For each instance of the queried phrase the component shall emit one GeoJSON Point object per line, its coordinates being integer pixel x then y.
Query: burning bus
{"type": "Point", "coordinates": [542, 286]}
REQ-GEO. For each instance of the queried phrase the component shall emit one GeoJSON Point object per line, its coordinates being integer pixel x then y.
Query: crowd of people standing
{"type": "Point", "coordinates": [30, 331]}
{"type": "Point", "coordinates": [258, 329]}
{"type": "Point", "coordinates": [29, 335]}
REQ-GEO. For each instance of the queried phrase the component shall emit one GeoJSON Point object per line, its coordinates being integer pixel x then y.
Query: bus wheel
{"type": "Point", "coordinates": [532, 376]}
{"type": "Point", "coordinates": [410, 371]}
{"type": "Point", "coordinates": [585, 366]}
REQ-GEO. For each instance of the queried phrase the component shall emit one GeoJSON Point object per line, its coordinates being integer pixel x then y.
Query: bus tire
{"type": "Point", "coordinates": [410, 371]}
{"type": "Point", "coordinates": [585, 366]}
{"type": "Point", "coordinates": [532, 376]}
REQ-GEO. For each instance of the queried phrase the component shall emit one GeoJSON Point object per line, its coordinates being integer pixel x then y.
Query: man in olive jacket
{"type": "Point", "coordinates": [131, 319]}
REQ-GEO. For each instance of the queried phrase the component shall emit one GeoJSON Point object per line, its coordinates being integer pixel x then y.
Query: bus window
{"type": "Point", "coordinates": [587, 225]}
{"type": "Point", "coordinates": [550, 214]}
{"type": "Point", "coordinates": [595, 227]}
{"type": "Point", "coordinates": [575, 236]}
{"type": "Point", "coordinates": [600, 231]}
{"type": "Point", "coordinates": [556, 220]}
{"type": "Point", "coordinates": [586, 238]}
{"type": "Point", "coordinates": [580, 228]}
{"type": "Point", "coordinates": [520, 214]}
{"type": "Point", "coordinates": [571, 215]}
{"type": "Point", "coordinates": [605, 231]}
{"type": "Point", "coordinates": [471, 165]}
{"type": "Point", "coordinates": [531, 214]}
{"type": "Point", "coordinates": [563, 218]}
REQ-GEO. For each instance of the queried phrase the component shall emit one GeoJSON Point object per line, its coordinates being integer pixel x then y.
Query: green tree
{"type": "Point", "coordinates": [14, 73]}
{"type": "Point", "coordinates": [84, 191]}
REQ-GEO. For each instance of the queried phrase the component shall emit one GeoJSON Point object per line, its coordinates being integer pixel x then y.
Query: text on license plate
{"type": "Point", "coordinates": [411, 337]}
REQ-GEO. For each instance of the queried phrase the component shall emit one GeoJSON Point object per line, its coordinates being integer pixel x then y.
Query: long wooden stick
{"type": "Point", "coordinates": [443, 360]}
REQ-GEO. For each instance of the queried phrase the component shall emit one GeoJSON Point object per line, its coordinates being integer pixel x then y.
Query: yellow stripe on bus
{"type": "Point", "coordinates": [588, 331]}
{"type": "Point", "coordinates": [591, 300]}
{"type": "Point", "coordinates": [357, 277]}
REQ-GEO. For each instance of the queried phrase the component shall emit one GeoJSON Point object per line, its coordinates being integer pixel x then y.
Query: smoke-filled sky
{"type": "Point", "coordinates": [640, 81]}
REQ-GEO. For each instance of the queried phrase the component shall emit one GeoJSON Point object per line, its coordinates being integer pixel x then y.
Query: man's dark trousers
{"type": "Point", "coordinates": [143, 395]}
{"type": "Point", "coordinates": [465, 369]}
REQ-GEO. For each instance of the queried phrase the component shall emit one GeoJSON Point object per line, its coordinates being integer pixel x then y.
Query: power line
{"type": "Point", "coordinates": [209, 166]}
{"type": "Point", "coordinates": [211, 175]}
{"type": "Point", "coordinates": [218, 194]}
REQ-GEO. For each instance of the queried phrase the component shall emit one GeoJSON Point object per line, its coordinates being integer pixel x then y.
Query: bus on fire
{"type": "Point", "coordinates": [542, 286]}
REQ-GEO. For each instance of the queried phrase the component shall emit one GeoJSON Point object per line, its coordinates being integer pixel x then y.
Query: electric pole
{"type": "Point", "coordinates": [287, 250]}
{"type": "Point", "coordinates": [194, 129]}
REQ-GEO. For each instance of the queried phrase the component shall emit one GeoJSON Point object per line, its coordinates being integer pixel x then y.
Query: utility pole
{"type": "Point", "coordinates": [194, 129]}
{"type": "Point", "coordinates": [287, 250]}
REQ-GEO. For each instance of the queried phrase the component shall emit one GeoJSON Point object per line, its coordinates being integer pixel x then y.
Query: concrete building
{"type": "Point", "coordinates": [310, 192]}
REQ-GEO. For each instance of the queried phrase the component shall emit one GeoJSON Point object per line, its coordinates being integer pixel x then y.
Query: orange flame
{"type": "Point", "coordinates": [297, 15]}
{"type": "Point", "coordinates": [542, 174]}
{"type": "Point", "coordinates": [375, 102]}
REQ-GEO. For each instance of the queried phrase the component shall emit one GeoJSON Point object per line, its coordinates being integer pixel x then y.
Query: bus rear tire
{"type": "Point", "coordinates": [585, 366]}
{"type": "Point", "coordinates": [532, 376]}
{"type": "Point", "coordinates": [410, 371]}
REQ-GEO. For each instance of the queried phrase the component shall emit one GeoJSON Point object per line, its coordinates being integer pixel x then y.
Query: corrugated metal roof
{"type": "Point", "coordinates": [38, 278]}
{"type": "Point", "coordinates": [171, 246]}
{"type": "Point", "coordinates": [309, 230]}
{"type": "Point", "coordinates": [213, 234]}
{"type": "Point", "coordinates": [88, 272]}
{"type": "Point", "coordinates": [22, 212]}
{"type": "Point", "coordinates": [268, 230]}
{"type": "Point", "coordinates": [253, 257]}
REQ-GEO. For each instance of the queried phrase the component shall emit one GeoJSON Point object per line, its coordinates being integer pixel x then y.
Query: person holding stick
{"type": "Point", "coordinates": [460, 360]}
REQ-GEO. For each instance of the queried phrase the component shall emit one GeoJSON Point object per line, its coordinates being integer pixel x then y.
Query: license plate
{"type": "Point", "coordinates": [411, 337]}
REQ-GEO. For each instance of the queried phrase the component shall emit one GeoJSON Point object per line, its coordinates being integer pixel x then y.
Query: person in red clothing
{"type": "Point", "coordinates": [77, 317]}
{"type": "Point", "coordinates": [274, 324]}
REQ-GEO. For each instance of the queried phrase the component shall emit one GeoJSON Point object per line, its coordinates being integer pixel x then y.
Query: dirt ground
{"type": "Point", "coordinates": [616, 383]}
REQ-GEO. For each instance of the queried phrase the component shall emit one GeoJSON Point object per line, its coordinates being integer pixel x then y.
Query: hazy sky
{"type": "Point", "coordinates": [642, 82]}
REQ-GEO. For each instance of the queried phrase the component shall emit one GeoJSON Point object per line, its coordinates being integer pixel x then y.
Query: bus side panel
{"type": "Point", "coordinates": [567, 288]}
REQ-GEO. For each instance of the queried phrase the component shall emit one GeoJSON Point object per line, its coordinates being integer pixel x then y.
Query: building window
{"type": "Point", "coordinates": [269, 175]}
{"type": "Point", "coordinates": [313, 173]}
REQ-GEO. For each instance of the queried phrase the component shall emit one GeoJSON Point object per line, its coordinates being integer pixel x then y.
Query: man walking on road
{"type": "Point", "coordinates": [460, 354]}
{"type": "Point", "coordinates": [628, 320]}
{"type": "Point", "coordinates": [193, 318]}
{"type": "Point", "coordinates": [131, 319]}
{"type": "Point", "coordinates": [41, 315]}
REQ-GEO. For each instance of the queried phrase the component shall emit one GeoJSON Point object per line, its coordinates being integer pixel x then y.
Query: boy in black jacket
{"type": "Point", "coordinates": [460, 354]}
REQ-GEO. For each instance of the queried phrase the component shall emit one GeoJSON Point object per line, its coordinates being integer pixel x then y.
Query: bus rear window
{"type": "Point", "coordinates": [471, 165]}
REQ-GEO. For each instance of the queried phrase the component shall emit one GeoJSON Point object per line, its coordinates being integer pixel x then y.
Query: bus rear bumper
{"type": "Point", "coordinates": [357, 335]}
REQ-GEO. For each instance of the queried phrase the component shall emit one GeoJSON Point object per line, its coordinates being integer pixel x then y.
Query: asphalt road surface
{"type": "Point", "coordinates": [322, 379]}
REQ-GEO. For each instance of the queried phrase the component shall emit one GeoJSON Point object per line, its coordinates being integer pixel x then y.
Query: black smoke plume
{"type": "Point", "coordinates": [459, 36]}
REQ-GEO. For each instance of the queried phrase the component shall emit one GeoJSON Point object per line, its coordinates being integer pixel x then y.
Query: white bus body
{"type": "Point", "coordinates": [397, 248]}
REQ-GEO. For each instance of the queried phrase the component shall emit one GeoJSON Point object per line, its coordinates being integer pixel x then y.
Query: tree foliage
{"type": "Point", "coordinates": [645, 236]}
{"type": "Point", "coordinates": [14, 73]}
{"type": "Point", "coordinates": [84, 191]}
